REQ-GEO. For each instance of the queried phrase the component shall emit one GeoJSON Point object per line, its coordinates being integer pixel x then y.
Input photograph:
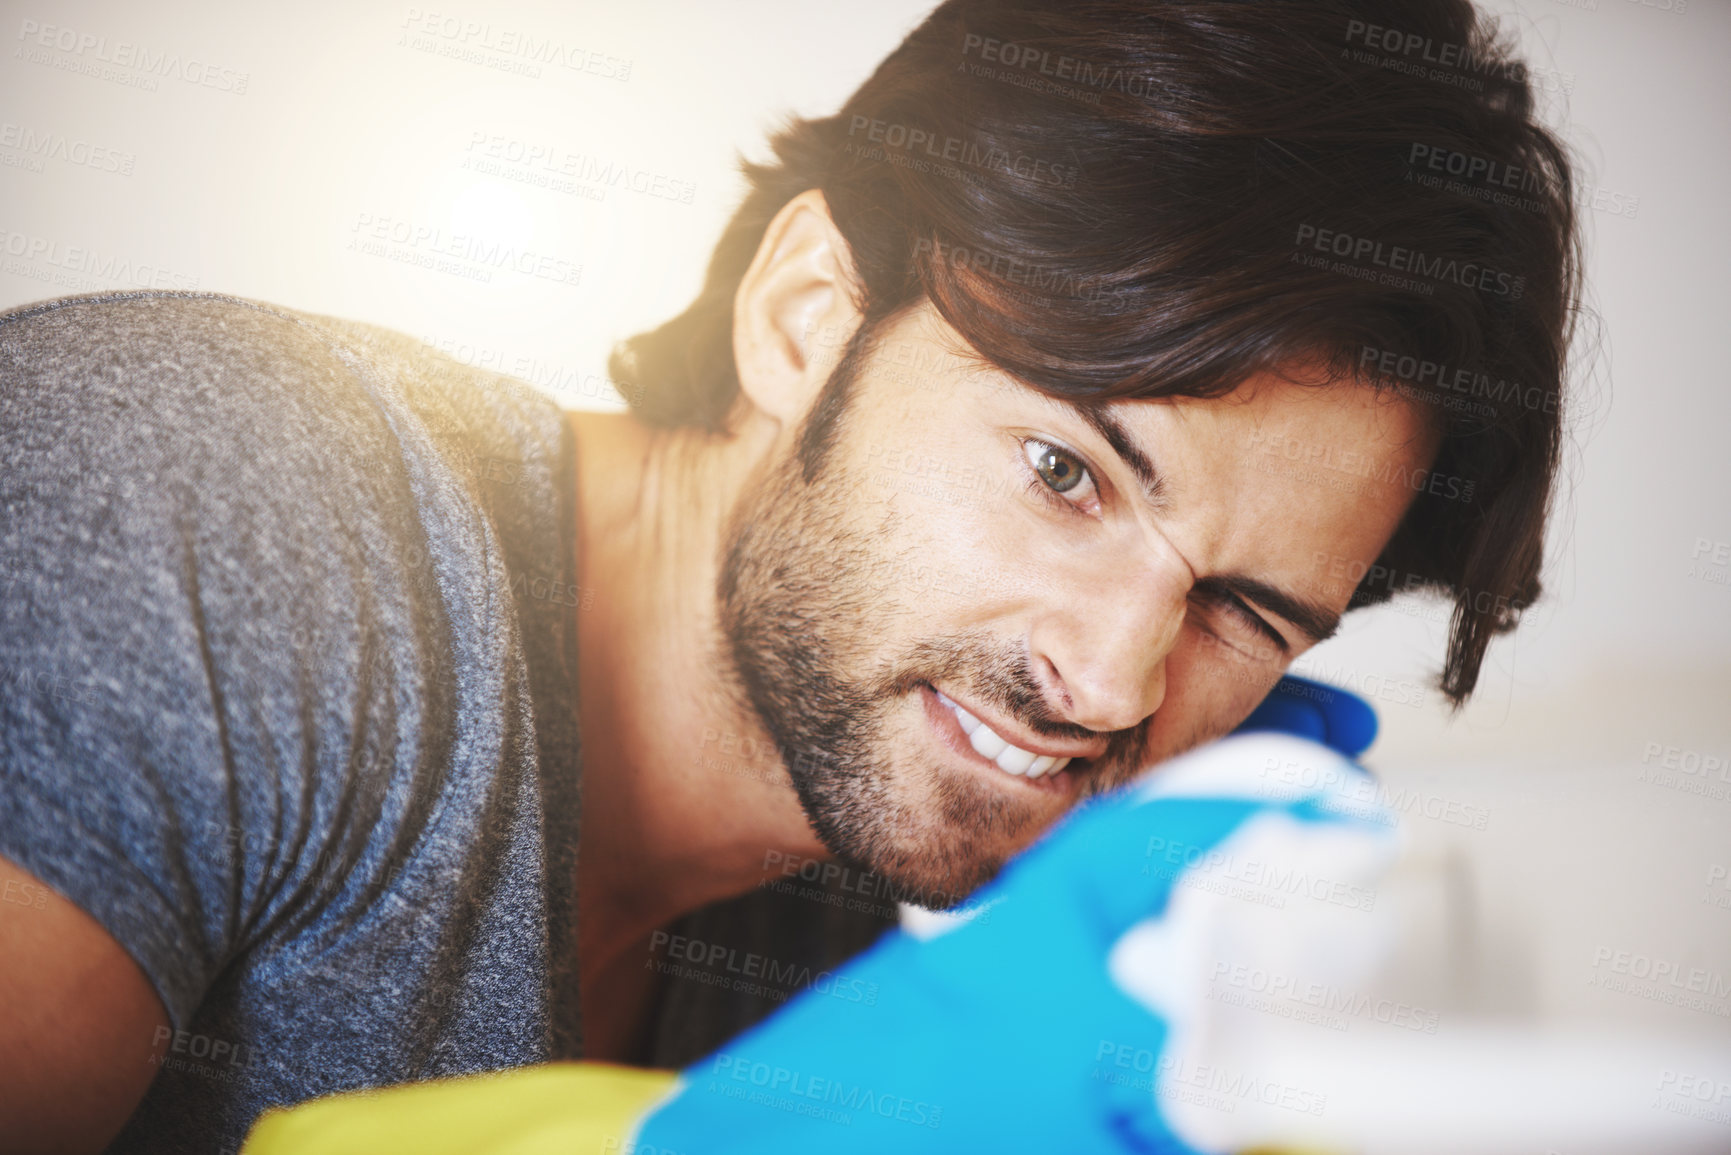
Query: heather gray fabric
{"type": "Point", "coordinates": [287, 691]}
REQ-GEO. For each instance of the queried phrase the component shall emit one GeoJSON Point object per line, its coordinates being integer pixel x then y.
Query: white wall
{"type": "Point", "coordinates": [319, 120]}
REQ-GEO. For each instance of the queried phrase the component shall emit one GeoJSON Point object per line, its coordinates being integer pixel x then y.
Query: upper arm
{"type": "Point", "coordinates": [81, 1028]}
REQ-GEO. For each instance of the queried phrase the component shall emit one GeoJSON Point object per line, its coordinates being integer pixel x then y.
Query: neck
{"type": "Point", "coordinates": [683, 796]}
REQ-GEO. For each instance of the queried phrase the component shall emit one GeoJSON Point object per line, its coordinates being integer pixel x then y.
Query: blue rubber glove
{"type": "Point", "coordinates": [1010, 1031]}
{"type": "Point", "coordinates": [1335, 717]}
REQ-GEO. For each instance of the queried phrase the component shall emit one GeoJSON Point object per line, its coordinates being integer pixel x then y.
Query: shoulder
{"type": "Point", "coordinates": [177, 379]}
{"type": "Point", "coordinates": [185, 338]}
{"type": "Point", "coordinates": [192, 339]}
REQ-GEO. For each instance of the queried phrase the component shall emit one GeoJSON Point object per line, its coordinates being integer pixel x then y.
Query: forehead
{"type": "Point", "coordinates": [1293, 414]}
{"type": "Point", "coordinates": [1287, 475]}
{"type": "Point", "coordinates": [1298, 410]}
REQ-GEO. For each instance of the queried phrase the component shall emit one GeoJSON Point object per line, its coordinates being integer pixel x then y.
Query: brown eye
{"type": "Point", "coordinates": [1059, 470]}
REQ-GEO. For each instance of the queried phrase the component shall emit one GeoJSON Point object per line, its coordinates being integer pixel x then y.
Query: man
{"type": "Point", "coordinates": [963, 492]}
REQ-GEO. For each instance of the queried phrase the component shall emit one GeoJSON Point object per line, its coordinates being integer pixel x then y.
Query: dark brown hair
{"type": "Point", "coordinates": [1159, 198]}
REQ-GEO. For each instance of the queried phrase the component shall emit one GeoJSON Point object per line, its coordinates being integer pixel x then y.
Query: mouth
{"type": "Point", "coordinates": [979, 744]}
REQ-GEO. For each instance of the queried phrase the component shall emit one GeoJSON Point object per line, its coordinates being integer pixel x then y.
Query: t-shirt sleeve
{"type": "Point", "coordinates": [216, 635]}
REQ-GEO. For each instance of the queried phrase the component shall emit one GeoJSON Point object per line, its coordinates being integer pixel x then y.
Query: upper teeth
{"type": "Point", "coordinates": [991, 745]}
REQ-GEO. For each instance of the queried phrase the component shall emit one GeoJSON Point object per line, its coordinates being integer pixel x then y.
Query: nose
{"type": "Point", "coordinates": [1101, 649]}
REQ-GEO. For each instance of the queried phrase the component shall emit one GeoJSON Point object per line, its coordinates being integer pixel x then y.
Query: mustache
{"type": "Point", "coordinates": [1001, 675]}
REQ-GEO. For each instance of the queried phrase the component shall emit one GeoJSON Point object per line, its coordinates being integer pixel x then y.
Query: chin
{"type": "Point", "coordinates": [957, 834]}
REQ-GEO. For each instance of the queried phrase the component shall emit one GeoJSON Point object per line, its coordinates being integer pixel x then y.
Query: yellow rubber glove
{"type": "Point", "coordinates": [553, 1109]}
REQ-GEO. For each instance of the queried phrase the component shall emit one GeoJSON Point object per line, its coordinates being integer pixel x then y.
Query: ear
{"type": "Point", "coordinates": [794, 311]}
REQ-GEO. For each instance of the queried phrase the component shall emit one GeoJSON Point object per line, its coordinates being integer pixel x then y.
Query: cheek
{"type": "Point", "coordinates": [1210, 688]}
{"type": "Point", "coordinates": [940, 554]}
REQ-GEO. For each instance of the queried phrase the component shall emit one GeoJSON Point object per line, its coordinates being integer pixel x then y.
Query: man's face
{"type": "Point", "coordinates": [979, 582]}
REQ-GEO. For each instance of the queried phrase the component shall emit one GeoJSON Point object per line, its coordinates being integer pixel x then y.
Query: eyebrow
{"type": "Point", "coordinates": [1317, 622]}
{"type": "Point", "coordinates": [1124, 445]}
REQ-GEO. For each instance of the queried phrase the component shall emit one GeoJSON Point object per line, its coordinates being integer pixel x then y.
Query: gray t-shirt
{"type": "Point", "coordinates": [288, 692]}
